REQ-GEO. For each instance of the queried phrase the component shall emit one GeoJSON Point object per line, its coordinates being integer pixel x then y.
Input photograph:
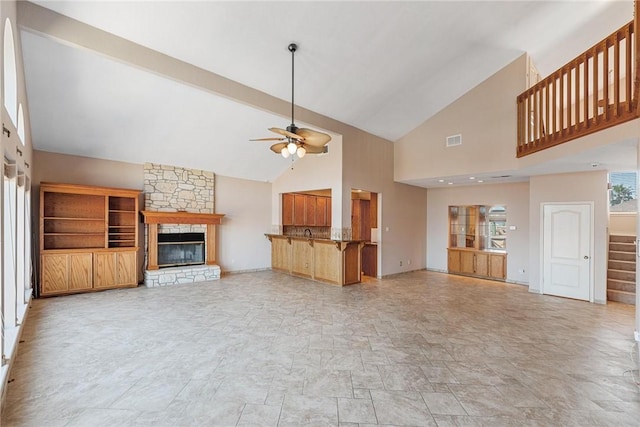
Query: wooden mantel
{"type": "Point", "coordinates": [152, 219]}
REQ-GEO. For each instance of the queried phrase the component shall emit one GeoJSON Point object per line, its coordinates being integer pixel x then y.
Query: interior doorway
{"type": "Point", "coordinates": [568, 250]}
{"type": "Point", "coordinates": [364, 227]}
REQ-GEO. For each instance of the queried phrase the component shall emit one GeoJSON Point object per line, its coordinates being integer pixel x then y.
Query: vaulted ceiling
{"type": "Point", "coordinates": [383, 67]}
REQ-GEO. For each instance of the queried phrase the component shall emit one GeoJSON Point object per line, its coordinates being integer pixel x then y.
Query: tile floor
{"type": "Point", "coordinates": [266, 349]}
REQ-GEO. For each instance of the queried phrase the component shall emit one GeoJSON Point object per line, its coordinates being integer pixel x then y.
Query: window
{"type": "Point", "coordinates": [9, 301]}
{"type": "Point", "coordinates": [20, 124]}
{"type": "Point", "coordinates": [623, 193]}
{"type": "Point", "coordinates": [10, 81]}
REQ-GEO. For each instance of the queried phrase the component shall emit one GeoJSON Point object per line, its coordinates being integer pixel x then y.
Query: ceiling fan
{"type": "Point", "coordinates": [296, 140]}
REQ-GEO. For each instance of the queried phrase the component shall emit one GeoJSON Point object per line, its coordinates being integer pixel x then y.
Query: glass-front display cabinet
{"type": "Point", "coordinates": [478, 241]}
{"type": "Point", "coordinates": [478, 226]}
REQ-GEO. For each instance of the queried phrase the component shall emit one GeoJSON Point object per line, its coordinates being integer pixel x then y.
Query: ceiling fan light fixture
{"type": "Point", "coordinates": [292, 147]}
{"type": "Point", "coordinates": [301, 152]}
{"type": "Point", "coordinates": [285, 152]}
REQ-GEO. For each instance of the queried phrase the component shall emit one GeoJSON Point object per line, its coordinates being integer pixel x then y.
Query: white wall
{"type": "Point", "coordinates": [9, 145]}
{"type": "Point", "coordinates": [574, 187]}
{"type": "Point", "coordinates": [514, 196]}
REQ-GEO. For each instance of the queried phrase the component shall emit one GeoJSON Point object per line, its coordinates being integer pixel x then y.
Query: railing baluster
{"type": "Point", "coordinates": [628, 74]}
{"type": "Point", "coordinates": [616, 75]}
{"type": "Point", "coordinates": [585, 91]}
{"type": "Point", "coordinates": [605, 78]}
{"type": "Point", "coordinates": [547, 124]}
{"type": "Point", "coordinates": [595, 95]}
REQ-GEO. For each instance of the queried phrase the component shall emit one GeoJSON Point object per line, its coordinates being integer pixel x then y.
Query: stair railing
{"type": "Point", "coordinates": [592, 92]}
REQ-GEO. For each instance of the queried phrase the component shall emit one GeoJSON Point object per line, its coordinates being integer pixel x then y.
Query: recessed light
{"type": "Point", "coordinates": [472, 177]}
{"type": "Point", "coordinates": [441, 180]}
{"type": "Point", "coordinates": [450, 183]}
{"type": "Point", "coordinates": [480, 180]}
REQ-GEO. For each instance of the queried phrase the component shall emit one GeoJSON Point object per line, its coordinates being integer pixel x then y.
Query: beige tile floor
{"type": "Point", "coordinates": [266, 349]}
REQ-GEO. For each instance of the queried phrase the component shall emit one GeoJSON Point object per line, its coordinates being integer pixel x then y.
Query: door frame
{"type": "Point", "coordinates": [591, 205]}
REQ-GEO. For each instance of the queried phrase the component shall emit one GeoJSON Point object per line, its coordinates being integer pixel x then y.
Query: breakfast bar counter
{"type": "Point", "coordinates": [336, 262]}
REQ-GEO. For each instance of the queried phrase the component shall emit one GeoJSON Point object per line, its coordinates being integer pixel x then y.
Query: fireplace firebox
{"type": "Point", "coordinates": [178, 249]}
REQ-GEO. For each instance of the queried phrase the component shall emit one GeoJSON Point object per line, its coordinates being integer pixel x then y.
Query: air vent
{"type": "Point", "coordinates": [454, 140]}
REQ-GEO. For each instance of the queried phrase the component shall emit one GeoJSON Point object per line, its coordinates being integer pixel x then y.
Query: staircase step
{"type": "Point", "coordinates": [622, 247]}
{"type": "Point", "coordinates": [622, 265]}
{"type": "Point", "coordinates": [622, 256]}
{"type": "Point", "coordinates": [621, 285]}
{"type": "Point", "coordinates": [621, 296]}
{"type": "Point", "coordinates": [622, 239]}
{"type": "Point", "coordinates": [628, 276]}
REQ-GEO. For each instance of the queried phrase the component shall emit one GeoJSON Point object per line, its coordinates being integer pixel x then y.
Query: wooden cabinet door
{"type": "Point", "coordinates": [104, 269]}
{"type": "Point", "coordinates": [55, 274]}
{"type": "Point", "coordinates": [321, 211]}
{"type": "Point", "coordinates": [454, 261]}
{"type": "Point", "coordinates": [370, 260]}
{"type": "Point", "coordinates": [126, 273]}
{"type": "Point", "coordinates": [80, 271]}
{"type": "Point", "coordinates": [299, 214]}
{"type": "Point", "coordinates": [482, 264]}
{"type": "Point", "coordinates": [280, 254]}
{"type": "Point", "coordinates": [498, 266]}
{"type": "Point", "coordinates": [310, 210]}
{"type": "Point", "coordinates": [287, 209]}
{"type": "Point", "coordinates": [467, 262]}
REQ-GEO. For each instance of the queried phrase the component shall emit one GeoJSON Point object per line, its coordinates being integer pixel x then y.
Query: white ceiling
{"type": "Point", "coordinates": [384, 67]}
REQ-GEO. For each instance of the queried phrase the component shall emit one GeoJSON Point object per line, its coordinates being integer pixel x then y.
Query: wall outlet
{"type": "Point", "coordinates": [521, 271]}
{"type": "Point", "coordinates": [400, 263]}
{"type": "Point", "coordinates": [408, 262]}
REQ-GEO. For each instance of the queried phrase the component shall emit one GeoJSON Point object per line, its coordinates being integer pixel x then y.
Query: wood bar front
{"type": "Point", "coordinates": [323, 260]}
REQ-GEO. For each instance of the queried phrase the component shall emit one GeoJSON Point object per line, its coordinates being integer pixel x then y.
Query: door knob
{"type": "Point", "coordinates": [586, 257]}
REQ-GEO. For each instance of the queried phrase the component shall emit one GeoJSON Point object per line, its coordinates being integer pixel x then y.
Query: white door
{"type": "Point", "coordinates": [567, 241]}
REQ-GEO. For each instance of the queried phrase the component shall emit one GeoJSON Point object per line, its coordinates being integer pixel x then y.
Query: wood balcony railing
{"type": "Point", "coordinates": [591, 93]}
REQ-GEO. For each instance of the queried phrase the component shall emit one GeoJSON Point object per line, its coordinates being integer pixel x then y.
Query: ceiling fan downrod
{"type": "Point", "coordinates": [292, 48]}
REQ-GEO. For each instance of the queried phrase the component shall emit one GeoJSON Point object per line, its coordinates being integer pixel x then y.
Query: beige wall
{"type": "Point", "coordinates": [402, 213]}
{"type": "Point", "coordinates": [485, 117]}
{"type": "Point", "coordinates": [516, 199]}
{"type": "Point", "coordinates": [574, 187]}
{"type": "Point", "coordinates": [246, 204]}
{"type": "Point", "coordinates": [622, 224]}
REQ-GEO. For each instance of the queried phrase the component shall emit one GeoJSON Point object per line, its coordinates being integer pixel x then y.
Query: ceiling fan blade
{"type": "Point", "coordinates": [311, 149]}
{"type": "Point", "coordinates": [287, 134]}
{"type": "Point", "coordinates": [277, 148]}
{"type": "Point", "coordinates": [313, 137]}
{"type": "Point", "coordinates": [268, 139]}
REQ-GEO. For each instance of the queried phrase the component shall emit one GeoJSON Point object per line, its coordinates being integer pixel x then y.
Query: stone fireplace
{"type": "Point", "coordinates": [179, 225]}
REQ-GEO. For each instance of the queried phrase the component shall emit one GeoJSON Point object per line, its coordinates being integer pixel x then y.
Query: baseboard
{"type": "Point", "coordinates": [400, 273]}
{"type": "Point", "coordinates": [252, 270]}
{"type": "Point", "coordinates": [437, 270]}
{"type": "Point", "coordinates": [600, 301]}
{"type": "Point", "coordinates": [535, 291]}
{"type": "Point", "coordinates": [516, 282]}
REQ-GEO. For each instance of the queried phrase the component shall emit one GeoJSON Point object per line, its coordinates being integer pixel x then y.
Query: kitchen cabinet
{"type": "Point", "coordinates": [304, 210]}
{"type": "Point", "coordinates": [287, 209]}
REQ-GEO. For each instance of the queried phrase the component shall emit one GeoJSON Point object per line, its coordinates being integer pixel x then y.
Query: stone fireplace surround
{"type": "Point", "coordinates": [153, 275]}
{"type": "Point", "coordinates": [183, 192]}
